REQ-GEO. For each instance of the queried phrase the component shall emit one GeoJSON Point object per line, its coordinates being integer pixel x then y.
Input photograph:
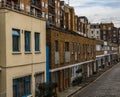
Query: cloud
{"type": "Point", "coordinates": [98, 10]}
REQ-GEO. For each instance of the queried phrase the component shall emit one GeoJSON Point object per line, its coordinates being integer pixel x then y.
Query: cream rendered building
{"type": "Point", "coordinates": [94, 31]}
{"type": "Point", "coordinates": [22, 53]}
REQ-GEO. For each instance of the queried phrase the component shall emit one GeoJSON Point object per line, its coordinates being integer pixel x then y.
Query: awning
{"type": "Point", "coordinates": [15, 33]}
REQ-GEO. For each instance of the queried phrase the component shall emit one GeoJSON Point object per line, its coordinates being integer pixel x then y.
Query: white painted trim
{"type": "Point", "coordinates": [99, 56]}
{"type": "Point", "coordinates": [102, 55]}
{"type": "Point", "coordinates": [65, 67]}
{"type": "Point", "coordinates": [106, 54]}
{"type": "Point", "coordinates": [114, 53]}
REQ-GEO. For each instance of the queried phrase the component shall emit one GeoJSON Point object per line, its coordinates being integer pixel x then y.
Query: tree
{"type": "Point", "coordinates": [46, 90]}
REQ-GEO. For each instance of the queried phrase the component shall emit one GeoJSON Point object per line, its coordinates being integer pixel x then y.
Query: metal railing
{"type": "Point", "coordinates": [17, 7]}
{"type": "Point", "coordinates": [6, 4]}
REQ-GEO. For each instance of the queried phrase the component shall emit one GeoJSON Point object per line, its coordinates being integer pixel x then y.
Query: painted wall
{"type": "Point", "coordinates": [21, 63]}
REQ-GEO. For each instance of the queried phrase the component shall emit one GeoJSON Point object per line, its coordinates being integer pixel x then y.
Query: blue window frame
{"type": "Point", "coordinates": [22, 86]}
{"type": "Point", "coordinates": [27, 41]}
{"type": "Point", "coordinates": [15, 86]}
{"type": "Point", "coordinates": [37, 41]}
{"type": "Point", "coordinates": [16, 40]}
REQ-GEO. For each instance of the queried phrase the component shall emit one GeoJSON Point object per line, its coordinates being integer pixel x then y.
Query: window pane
{"type": "Point", "coordinates": [16, 40]}
{"type": "Point", "coordinates": [55, 77]}
{"type": "Point", "coordinates": [14, 91]}
{"type": "Point", "coordinates": [37, 41]}
{"type": "Point", "coordinates": [38, 79]}
{"type": "Point", "coordinates": [56, 45]}
{"type": "Point", "coordinates": [66, 46]}
{"type": "Point", "coordinates": [15, 32]}
{"type": "Point", "coordinates": [27, 41]}
{"type": "Point", "coordinates": [27, 85]}
{"type": "Point", "coordinates": [22, 86]}
{"type": "Point", "coordinates": [14, 88]}
{"type": "Point", "coordinates": [73, 47]}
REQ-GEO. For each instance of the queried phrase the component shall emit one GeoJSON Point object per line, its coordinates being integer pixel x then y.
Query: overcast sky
{"type": "Point", "coordinates": [98, 10]}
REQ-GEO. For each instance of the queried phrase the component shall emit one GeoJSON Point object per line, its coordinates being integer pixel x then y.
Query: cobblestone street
{"type": "Point", "coordinates": [108, 85]}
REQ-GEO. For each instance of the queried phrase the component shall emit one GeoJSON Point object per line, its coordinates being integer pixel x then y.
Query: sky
{"type": "Point", "coordinates": [98, 11]}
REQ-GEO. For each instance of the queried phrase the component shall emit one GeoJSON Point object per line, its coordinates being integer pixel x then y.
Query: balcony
{"type": "Point", "coordinates": [37, 5]}
{"type": "Point", "coordinates": [51, 10]}
{"type": "Point", "coordinates": [11, 5]}
{"type": "Point", "coordinates": [51, 19]}
{"type": "Point", "coordinates": [36, 12]}
{"type": "Point", "coordinates": [21, 8]}
{"type": "Point", "coordinates": [67, 57]}
{"type": "Point", "coordinates": [56, 57]}
{"type": "Point", "coordinates": [51, 4]}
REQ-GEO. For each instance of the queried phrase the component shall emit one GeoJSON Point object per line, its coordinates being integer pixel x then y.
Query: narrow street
{"type": "Point", "coordinates": [108, 85]}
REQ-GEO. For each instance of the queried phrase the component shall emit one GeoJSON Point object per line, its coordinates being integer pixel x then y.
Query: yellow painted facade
{"type": "Point", "coordinates": [19, 64]}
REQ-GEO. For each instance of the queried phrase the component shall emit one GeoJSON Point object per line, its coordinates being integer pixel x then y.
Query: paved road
{"type": "Point", "coordinates": [106, 86]}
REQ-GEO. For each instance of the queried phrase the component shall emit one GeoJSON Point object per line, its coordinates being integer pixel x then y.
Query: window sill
{"type": "Point", "coordinates": [37, 52]}
{"type": "Point", "coordinates": [14, 53]}
{"type": "Point", "coordinates": [27, 52]}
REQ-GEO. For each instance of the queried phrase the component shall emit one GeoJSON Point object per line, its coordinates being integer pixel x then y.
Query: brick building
{"type": "Point", "coordinates": [69, 49]}
{"type": "Point", "coordinates": [67, 16]}
{"type": "Point", "coordinates": [106, 31]}
{"type": "Point", "coordinates": [68, 52]}
{"type": "Point", "coordinates": [54, 12]}
{"type": "Point", "coordinates": [119, 36]}
{"type": "Point", "coordinates": [106, 54]}
{"type": "Point", "coordinates": [83, 22]}
{"type": "Point", "coordinates": [99, 54]}
{"type": "Point", "coordinates": [76, 24]}
{"type": "Point", "coordinates": [115, 35]}
{"type": "Point", "coordinates": [109, 34]}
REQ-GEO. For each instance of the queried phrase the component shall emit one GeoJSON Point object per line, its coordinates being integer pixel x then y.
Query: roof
{"type": "Point", "coordinates": [107, 23]}
{"type": "Point", "coordinates": [94, 24]}
{"type": "Point", "coordinates": [66, 31]}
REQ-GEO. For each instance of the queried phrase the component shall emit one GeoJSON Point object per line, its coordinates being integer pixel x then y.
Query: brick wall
{"type": "Point", "coordinates": [86, 44]}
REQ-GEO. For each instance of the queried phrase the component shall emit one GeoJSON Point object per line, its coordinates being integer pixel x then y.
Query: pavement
{"type": "Point", "coordinates": [86, 82]}
{"type": "Point", "coordinates": [107, 85]}
{"type": "Point", "coordinates": [69, 91]}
